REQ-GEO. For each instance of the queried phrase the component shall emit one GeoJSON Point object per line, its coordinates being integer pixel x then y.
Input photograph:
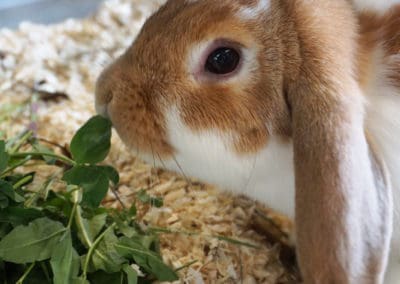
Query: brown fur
{"type": "Point", "coordinates": [242, 116]}
{"type": "Point", "coordinates": [382, 29]}
{"type": "Point", "coordinates": [322, 118]}
{"type": "Point", "coordinates": [305, 89]}
{"type": "Point", "coordinates": [135, 114]}
{"type": "Point", "coordinates": [245, 116]}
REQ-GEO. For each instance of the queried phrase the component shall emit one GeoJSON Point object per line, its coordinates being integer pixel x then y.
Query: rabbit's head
{"type": "Point", "coordinates": [208, 84]}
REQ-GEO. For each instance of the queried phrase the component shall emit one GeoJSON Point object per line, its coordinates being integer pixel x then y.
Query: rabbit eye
{"type": "Point", "coordinates": [222, 61]}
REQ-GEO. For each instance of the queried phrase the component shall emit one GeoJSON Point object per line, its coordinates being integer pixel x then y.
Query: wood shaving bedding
{"type": "Point", "coordinates": [65, 59]}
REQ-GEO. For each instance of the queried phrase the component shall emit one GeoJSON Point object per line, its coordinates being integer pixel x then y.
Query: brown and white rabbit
{"type": "Point", "coordinates": [295, 103]}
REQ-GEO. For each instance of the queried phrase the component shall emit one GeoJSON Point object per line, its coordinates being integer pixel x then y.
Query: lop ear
{"type": "Point", "coordinates": [343, 199]}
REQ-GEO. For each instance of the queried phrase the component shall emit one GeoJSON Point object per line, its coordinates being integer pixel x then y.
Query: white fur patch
{"type": "Point", "coordinates": [195, 57]}
{"type": "Point", "coordinates": [383, 121]}
{"type": "Point", "coordinates": [101, 109]}
{"type": "Point", "coordinates": [374, 5]}
{"type": "Point", "coordinates": [267, 176]}
{"type": "Point", "coordinates": [253, 12]}
{"type": "Point", "coordinates": [393, 271]}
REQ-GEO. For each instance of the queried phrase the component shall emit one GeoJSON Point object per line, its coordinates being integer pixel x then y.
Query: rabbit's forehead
{"type": "Point", "coordinates": [254, 9]}
{"type": "Point", "coordinates": [208, 11]}
{"type": "Point", "coordinates": [185, 32]}
{"type": "Point", "coordinates": [373, 5]}
{"type": "Point", "coordinates": [246, 9]}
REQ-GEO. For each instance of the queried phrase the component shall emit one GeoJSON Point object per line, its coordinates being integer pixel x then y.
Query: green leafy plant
{"type": "Point", "coordinates": [66, 236]}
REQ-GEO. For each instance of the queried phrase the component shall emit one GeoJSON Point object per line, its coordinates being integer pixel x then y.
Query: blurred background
{"type": "Point", "coordinates": [13, 12]}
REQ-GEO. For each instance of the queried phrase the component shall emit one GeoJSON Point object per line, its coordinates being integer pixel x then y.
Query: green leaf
{"type": "Point", "coordinates": [35, 242]}
{"type": "Point", "coordinates": [143, 196]}
{"type": "Point", "coordinates": [14, 162]}
{"type": "Point", "coordinates": [147, 259]}
{"type": "Point", "coordinates": [3, 273]}
{"type": "Point", "coordinates": [4, 202]}
{"type": "Point", "coordinates": [147, 199]}
{"type": "Point", "coordinates": [131, 274]}
{"type": "Point", "coordinates": [100, 277]}
{"type": "Point", "coordinates": [92, 141]}
{"type": "Point", "coordinates": [5, 228]}
{"type": "Point", "coordinates": [91, 227]}
{"type": "Point", "coordinates": [96, 224]}
{"type": "Point", "coordinates": [38, 274]}
{"type": "Point", "coordinates": [3, 156]}
{"type": "Point", "coordinates": [132, 211]}
{"type": "Point", "coordinates": [80, 281]}
{"type": "Point", "coordinates": [57, 203]}
{"type": "Point", "coordinates": [111, 173]}
{"type": "Point", "coordinates": [93, 181]}
{"type": "Point", "coordinates": [126, 229]}
{"type": "Point", "coordinates": [7, 189]}
{"type": "Point", "coordinates": [19, 216]}
{"type": "Point", "coordinates": [62, 261]}
{"type": "Point", "coordinates": [105, 256]}
{"type": "Point", "coordinates": [147, 241]}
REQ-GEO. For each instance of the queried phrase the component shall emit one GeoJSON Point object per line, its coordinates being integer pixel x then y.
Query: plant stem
{"type": "Point", "coordinates": [86, 238]}
{"type": "Point", "coordinates": [43, 191]}
{"type": "Point", "coordinates": [115, 192]}
{"type": "Point", "coordinates": [186, 265]}
{"type": "Point", "coordinates": [45, 271]}
{"type": "Point", "coordinates": [22, 181]}
{"type": "Point", "coordinates": [71, 217]}
{"type": "Point", "coordinates": [39, 154]}
{"type": "Point", "coordinates": [21, 280]}
{"type": "Point", "coordinates": [21, 142]}
{"type": "Point", "coordinates": [21, 163]}
{"type": "Point", "coordinates": [81, 227]}
{"type": "Point", "coordinates": [92, 248]}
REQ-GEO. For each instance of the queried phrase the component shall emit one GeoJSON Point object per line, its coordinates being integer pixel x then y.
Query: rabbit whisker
{"type": "Point", "coordinates": [251, 174]}
{"type": "Point", "coordinates": [154, 167]}
{"type": "Point", "coordinates": [161, 160]}
{"type": "Point", "coordinates": [137, 151]}
{"type": "Point", "coordinates": [181, 170]}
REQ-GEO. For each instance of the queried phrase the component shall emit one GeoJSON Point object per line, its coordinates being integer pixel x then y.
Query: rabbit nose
{"type": "Point", "coordinates": [102, 109]}
{"type": "Point", "coordinates": [102, 101]}
{"type": "Point", "coordinates": [103, 94]}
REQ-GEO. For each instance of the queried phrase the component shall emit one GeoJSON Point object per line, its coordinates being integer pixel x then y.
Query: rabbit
{"type": "Point", "coordinates": [293, 103]}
